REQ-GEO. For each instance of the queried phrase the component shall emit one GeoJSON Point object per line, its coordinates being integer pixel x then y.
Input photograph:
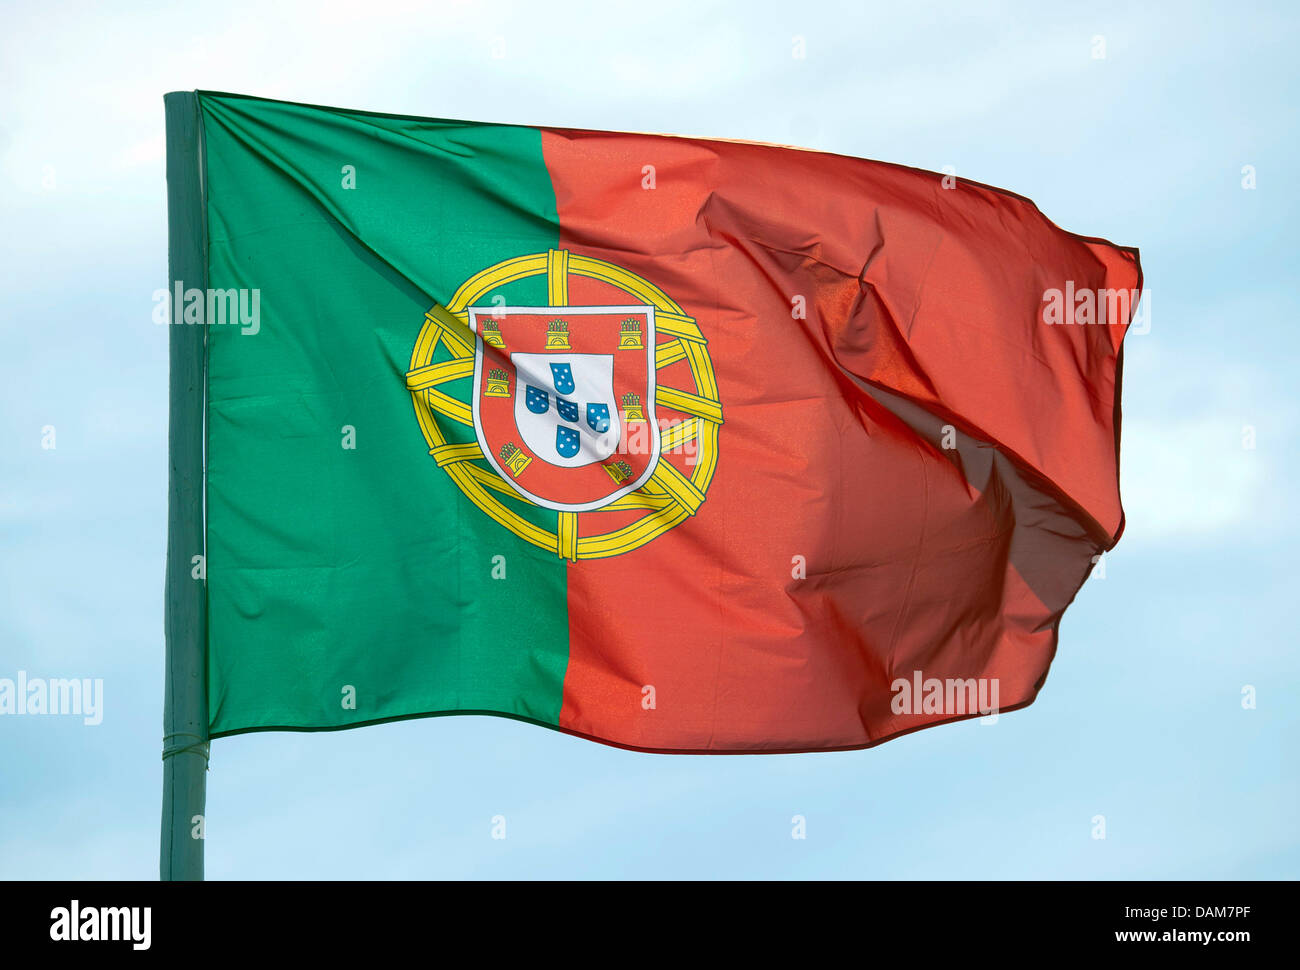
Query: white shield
{"type": "Point", "coordinates": [565, 408]}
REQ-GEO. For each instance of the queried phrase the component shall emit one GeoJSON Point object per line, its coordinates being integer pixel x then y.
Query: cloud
{"type": "Point", "coordinates": [1204, 441]}
{"type": "Point", "coordinates": [1183, 479]}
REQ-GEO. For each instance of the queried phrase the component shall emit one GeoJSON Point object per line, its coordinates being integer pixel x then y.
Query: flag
{"type": "Point", "coordinates": [678, 444]}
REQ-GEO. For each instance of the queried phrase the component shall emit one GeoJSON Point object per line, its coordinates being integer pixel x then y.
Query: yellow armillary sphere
{"type": "Point", "coordinates": [483, 429]}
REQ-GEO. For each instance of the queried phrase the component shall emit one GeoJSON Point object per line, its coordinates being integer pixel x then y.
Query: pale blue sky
{"type": "Point", "coordinates": [1141, 718]}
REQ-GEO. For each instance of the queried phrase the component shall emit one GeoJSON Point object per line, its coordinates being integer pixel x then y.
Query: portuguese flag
{"type": "Point", "coordinates": [678, 444]}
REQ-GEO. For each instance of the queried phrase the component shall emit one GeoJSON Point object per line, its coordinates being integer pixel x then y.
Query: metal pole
{"type": "Point", "coordinates": [185, 708]}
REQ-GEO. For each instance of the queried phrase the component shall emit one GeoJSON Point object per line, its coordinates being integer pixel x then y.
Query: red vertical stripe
{"type": "Point", "coordinates": [931, 294]}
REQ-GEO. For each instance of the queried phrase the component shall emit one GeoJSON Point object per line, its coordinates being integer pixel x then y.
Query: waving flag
{"type": "Point", "coordinates": [679, 444]}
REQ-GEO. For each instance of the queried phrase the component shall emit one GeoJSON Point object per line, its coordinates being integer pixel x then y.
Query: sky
{"type": "Point", "coordinates": [1180, 139]}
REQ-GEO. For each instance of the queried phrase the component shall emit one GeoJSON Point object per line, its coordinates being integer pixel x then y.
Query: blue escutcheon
{"type": "Point", "coordinates": [598, 417]}
{"type": "Point", "coordinates": [566, 442]}
{"type": "Point", "coordinates": [562, 374]}
{"type": "Point", "coordinates": [538, 401]}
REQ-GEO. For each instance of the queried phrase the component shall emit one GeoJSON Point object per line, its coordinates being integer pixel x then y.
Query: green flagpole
{"type": "Point", "coordinates": [185, 706]}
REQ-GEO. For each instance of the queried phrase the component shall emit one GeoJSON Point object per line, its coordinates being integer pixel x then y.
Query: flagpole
{"type": "Point", "coordinates": [185, 705]}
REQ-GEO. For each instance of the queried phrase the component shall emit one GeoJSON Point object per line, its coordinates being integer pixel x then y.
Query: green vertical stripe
{"type": "Point", "coordinates": [330, 569]}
